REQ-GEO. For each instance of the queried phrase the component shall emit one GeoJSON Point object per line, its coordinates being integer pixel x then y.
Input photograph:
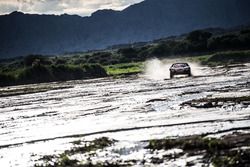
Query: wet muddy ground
{"type": "Point", "coordinates": [47, 119]}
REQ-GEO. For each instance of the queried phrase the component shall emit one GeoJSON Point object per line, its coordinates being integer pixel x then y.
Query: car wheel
{"type": "Point", "coordinates": [171, 75]}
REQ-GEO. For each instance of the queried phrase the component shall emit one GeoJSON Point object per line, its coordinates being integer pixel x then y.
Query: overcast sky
{"type": "Point", "coordinates": [79, 7]}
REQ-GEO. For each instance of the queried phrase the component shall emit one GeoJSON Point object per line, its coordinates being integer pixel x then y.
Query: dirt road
{"type": "Point", "coordinates": [130, 110]}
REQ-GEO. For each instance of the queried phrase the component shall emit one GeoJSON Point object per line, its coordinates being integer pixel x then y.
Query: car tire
{"type": "Point", "coordinates": [171, 75]}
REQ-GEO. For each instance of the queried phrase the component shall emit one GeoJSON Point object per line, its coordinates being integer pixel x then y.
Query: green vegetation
{"type": "Point", "coordinates": [96, 144]}
{"type": "Point", "coordinates": [234, 158]}
{"type": "Point", "coordinates": [223, 58]}
{"type": "Point", "coordinates": [193, 44]}
{"type": "Point", "coordinates": [200, 42]}
{"type": "Point", "coordinates": [189, 143]}
{"type": "Point", "coordinates": [38, 69]}
{"type": "Point", "coordinates": [226, 151]}
{"type": "Point", "coordinates": [224, 49]}
{"type": "Point", "coordinates": [226, 58]}
{"type": "Point", "coordinates": [80, 147]}
{"type": "Point", "coordinates": [229, 150]}
{"type": "Point", "coordinates": [125, 68]}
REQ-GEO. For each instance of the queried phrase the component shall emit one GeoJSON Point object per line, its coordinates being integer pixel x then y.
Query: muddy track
{"type": "Point", "coordinates": [127, 109]}
{"type": "Point", "coordinates": [136, 128]}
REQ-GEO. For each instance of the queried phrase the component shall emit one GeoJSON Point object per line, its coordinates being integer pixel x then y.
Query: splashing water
{"type": "Point", "coordinates": [156, 69]}
{"type": "Point", "coordinates": [197, 69]}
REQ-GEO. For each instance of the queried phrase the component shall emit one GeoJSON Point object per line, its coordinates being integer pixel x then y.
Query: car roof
{"type": "Point", "coordinates": [180, 63]}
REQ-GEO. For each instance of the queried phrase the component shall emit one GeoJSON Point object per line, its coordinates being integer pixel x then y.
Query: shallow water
{"type": "Point", "coordinates": [130, 110]}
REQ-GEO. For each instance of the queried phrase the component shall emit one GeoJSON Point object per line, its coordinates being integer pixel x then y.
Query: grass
{"type": "Point", "coordinates": [235, 158]}
{"type": "Point", "coordinates": [96, 144]}
{"type": "Point", "coordinates": [40, 73]}
{"type": "Point", "coordinates": [199, 59]}
{"type": "Point", "coordinates": [124, 68]}
{"type": "Point", "coordinates": [223, 58]}
{"type": "Point", "coordinates": [80, 147]}
{"type": "Point", "coordinates": [188, 143]}
{"type": "Point", "coordinates": [38, 69]}
{"type": "Point", "coordinates": [225, 151]}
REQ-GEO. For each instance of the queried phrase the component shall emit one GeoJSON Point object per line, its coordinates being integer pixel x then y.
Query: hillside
{"type": "Point", "coordinates": [23, 34]}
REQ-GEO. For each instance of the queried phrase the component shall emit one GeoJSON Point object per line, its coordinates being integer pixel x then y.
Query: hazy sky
{"type": "Point", "coordinates": [80, 7]}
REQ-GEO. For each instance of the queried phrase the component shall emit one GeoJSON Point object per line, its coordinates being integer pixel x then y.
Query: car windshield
{"type": "Point", "coordinates": [180, 65]}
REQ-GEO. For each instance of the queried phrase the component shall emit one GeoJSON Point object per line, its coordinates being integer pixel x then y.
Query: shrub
{"type": "Point", "coordinates": [63, 72]}
{"type": "Point", "coordinates": [230, 57]}
{"type": "Point", "coordinates": [94, 70]}
{"type": "Point", "coordinates": [35, 74]}
{"type": "Point", "coordinates": [59, 61]}
{"type": "Point", "coordinates": [198, 40]}
{"type": "Point", "coordinates": [31, 59]}
{"type": "Point", "coordinates": [198, 36]}
{"type": "Point", "coordinates": [130, 53]}
{"type": "Point", "coordinates": [230, 41]}
{"type": "Point", "coordinates": [160, 50]}
{"type": "Point", "coordinates": [6, 79]}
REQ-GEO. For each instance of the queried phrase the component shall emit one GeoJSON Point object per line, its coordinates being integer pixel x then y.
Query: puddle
{"type": "Point", "coordinates": [131, 110]}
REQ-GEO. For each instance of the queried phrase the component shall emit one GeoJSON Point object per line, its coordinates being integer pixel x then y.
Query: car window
{"type": "Point", "coordinates": [179, 65]}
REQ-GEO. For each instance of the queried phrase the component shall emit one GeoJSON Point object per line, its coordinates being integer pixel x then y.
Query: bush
{"type": "Point", "coordinates": [235, 57]}
{"type": "Point", "coordinates": [198, 40]}
{"type": "Point", "coordinates": [99, 57]}
{"type": "Point", "coordinates": [230, 41]}
{"type": "Point", "coordinates": [227, 58]}
{"type": "Point", "coordinates": [129, 53]}
{"type": "Point", "coordinates": [198, 36]}
{"type": "Point", "coordinates": [63, 72]}
{"type": "Point", "coordinates": [38, 73]}
{"type": "Point", "coordinates": [38, 59]}
{"type": "Point", "coordinates": [35, 74]}
{"type": "Point", "coordinates": [6, 79]}
{"type": "Point", "coordinates": [59, 61]}
{"type": "Point", "coordinates": [94, 70]}
{"type": "Point", "coordinates": [160, 50]}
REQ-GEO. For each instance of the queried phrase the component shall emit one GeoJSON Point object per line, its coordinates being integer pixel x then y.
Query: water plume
{"type": "Point", "coordinates": [156, 69]}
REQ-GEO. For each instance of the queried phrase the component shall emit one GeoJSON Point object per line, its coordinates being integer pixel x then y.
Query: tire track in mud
{"type": "Point", "coordinates": [134, 96]}
{"type": "Point", "coordinates": [138, 128]}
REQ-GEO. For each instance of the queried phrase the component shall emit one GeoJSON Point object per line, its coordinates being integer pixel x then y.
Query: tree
{"type": "Point", "coordinates": [30, 59]}
{"type": "Point", "coordinates": [128, 52]}
{"type": "Point", "coordinates": [199, 36]}
{"type": "Point", "coordinates": [198, 40]}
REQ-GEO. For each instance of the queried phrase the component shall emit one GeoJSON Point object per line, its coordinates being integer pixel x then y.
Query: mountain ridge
{"type": "Point", "coordinates": [24, 34]}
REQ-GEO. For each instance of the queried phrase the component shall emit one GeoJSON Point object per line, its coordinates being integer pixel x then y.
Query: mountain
{"type": "Point", "coordinates": [22, 34]}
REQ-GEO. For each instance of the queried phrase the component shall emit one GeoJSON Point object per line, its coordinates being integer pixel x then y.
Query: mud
{"type": "Point", "coordinates": [45, 119]}
{"type": "Point", "coordinates": [228, 150]}
{"type": "Point", "coordinates": [30, 89]}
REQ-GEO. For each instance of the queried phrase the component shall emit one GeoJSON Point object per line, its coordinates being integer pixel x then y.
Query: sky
{"type": "Point", "coordinates": [79, 7]}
